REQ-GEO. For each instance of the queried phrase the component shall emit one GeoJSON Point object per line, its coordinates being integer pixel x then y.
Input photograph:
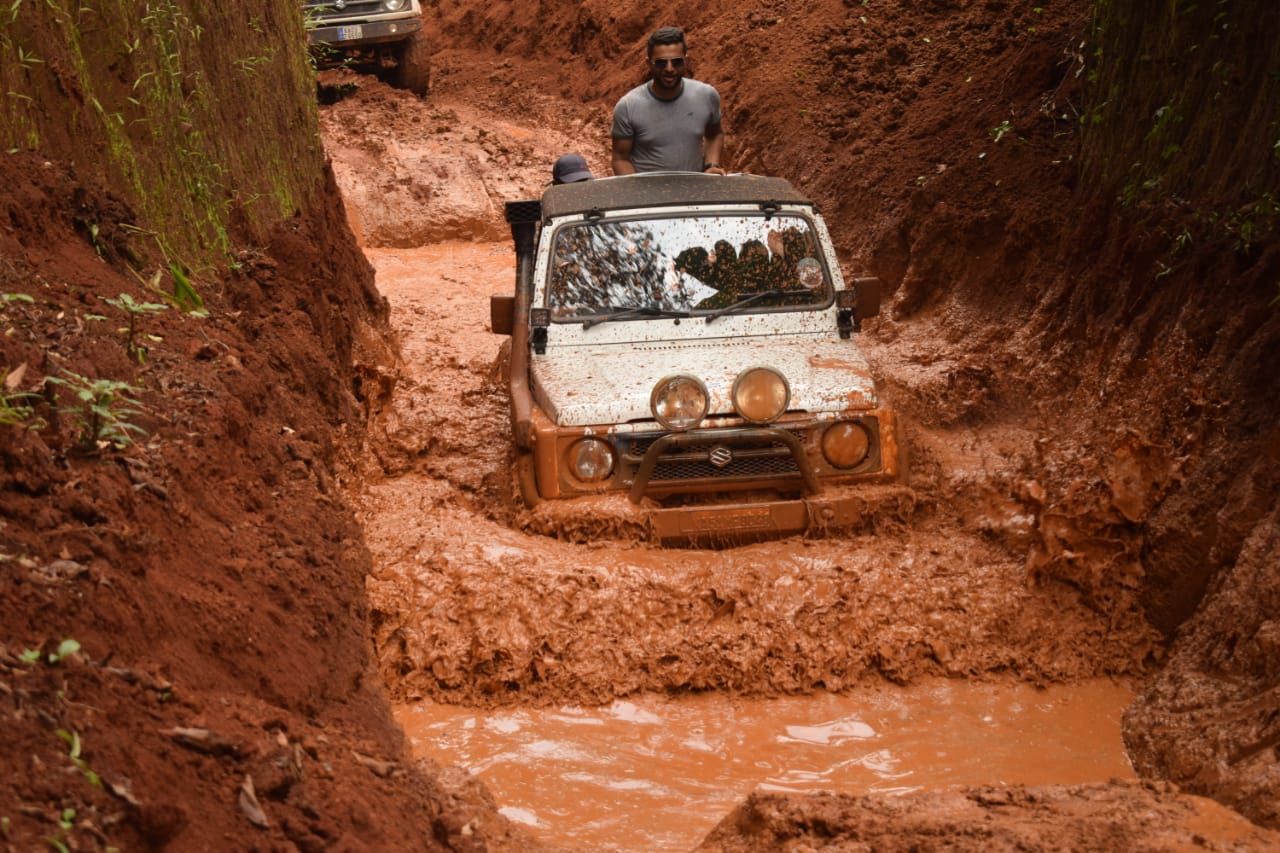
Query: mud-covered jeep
{"type": "Point", "coordinates": [683, 359]}
{"type": "Point", "coordinates": [377, 36]}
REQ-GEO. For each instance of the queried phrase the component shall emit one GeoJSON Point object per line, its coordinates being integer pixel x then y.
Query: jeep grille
{"type": "Point", "coordinates": [765, 460]}
{"type": "Point", "coordinates": [740, 468]}
{"type": "Point", "coordinates": [351, 9]}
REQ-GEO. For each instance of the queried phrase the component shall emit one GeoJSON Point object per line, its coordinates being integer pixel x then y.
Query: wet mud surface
{"type": "Point", "coordinates": [1108, 816]}
{"type": "Point", "coordinates": [471, 607]}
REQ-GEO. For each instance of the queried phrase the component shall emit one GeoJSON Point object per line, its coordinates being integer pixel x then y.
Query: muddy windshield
{"type": "Point", "coordinates": [641, 268]}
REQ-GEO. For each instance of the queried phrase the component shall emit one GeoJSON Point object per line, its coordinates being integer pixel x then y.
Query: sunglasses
{"type": "Point", "coordinates": [676, 62]}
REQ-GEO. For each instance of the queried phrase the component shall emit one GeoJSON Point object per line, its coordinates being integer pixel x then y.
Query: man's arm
{"type": "Point", "coordinates": [711, 150]}
{"type": "Point", "coordinates": [622, 164]}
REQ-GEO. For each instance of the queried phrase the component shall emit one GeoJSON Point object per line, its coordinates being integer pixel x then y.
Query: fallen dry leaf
{"type": "Point", "coordinates": [203, 740]}
{"type": "Point", "coordinates": [121, 788]}
{"type": "Point", "coordinates": [14, 379]}
{"type": "Point", "coordinates": [382, 769]}
{"type": "Point", "coordinates": [249, 804]}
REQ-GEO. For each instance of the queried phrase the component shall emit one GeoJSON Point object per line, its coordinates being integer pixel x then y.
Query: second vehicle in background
{"type": "Point", "coordinates": [384, 37]}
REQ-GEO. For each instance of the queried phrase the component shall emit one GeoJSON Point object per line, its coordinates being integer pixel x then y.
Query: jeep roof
{"type": "Point", "coordinates": [658, 189]}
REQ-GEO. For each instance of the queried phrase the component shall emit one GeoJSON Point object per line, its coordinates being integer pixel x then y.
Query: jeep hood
{"type": "Point", "coordinates": [610, 384]}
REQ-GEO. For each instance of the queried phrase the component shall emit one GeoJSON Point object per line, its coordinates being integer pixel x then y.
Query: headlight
{"type": "Point", "coordinates": [679, 402]}
{"type": "Point", "coordinates": [591, 459]}
{"type": "Point", "coordinates": [760, 394]}
{"type": "Point", "coordinates": [394, 5]}
{"type": "Point", "coordinates": [845, 444]}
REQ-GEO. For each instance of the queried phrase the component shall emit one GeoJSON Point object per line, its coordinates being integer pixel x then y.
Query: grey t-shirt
{"type": "Point", "coordinates": [666, 135]}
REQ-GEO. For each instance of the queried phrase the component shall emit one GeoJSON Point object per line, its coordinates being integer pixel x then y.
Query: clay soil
{"type": "Point", "coordinates": [319, 518]}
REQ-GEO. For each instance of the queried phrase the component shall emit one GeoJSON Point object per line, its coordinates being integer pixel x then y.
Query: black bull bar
{"type": "Point", "coordinates": [711, 439]}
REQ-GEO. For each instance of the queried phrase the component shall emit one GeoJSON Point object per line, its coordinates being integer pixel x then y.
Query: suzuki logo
{"type": "Point", "coordinates": [720, 456]}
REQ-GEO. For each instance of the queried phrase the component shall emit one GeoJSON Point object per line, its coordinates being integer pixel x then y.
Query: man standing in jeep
{"type": "Point", "coordinates": [670, 122]}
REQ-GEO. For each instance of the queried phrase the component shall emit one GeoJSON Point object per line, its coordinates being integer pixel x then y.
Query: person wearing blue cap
{"type": "Point", "coordinates": [569, 169]}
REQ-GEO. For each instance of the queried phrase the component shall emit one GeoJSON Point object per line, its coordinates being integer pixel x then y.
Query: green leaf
{"type": "Point", "coordinates": [67, 647]}
{"type": "Point", "coordinates": [183, 293]}
{"type": "Point", "coordinates": [72, 739]}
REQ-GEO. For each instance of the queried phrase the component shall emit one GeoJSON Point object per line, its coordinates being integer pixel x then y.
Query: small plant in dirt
{"type": "Point", "coordinates": [102, 410]}
{"type": "Point", "coordinates": [73, 752]}
{"type": "Point", "coordinates": [184, 293]}
{"type": "Point", "coordinates": [1001, 130]}
{"type": "Point", "coordinates": [17, 407]}
{"type": "Point", "coordinates": [66, 822]}
{"type": "Point", "coordinates": [134, 310]}
{"type": "Point", "coordinates": [184, 297]}
{"type": "Point", "coordinates": [1255, 220]}
{"type": "Point", "coordinates": [65, 649]}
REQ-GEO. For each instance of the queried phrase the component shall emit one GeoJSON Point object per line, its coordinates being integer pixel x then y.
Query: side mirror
{"type": "Point", "coordinates": [502, 313]}
{"type": "Point", "coordinates": [867, 289]}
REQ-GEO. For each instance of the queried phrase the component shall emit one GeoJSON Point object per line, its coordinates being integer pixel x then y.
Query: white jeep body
{"type": "Point", "coordinates": [687, 341]}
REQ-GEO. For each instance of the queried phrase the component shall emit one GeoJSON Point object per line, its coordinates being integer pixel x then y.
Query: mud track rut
{"type": "Point", "coordinates": [469, 608]}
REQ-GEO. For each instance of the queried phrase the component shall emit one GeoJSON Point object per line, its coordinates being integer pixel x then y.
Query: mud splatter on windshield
{"type": "Point", "coordinates": [686, 264]}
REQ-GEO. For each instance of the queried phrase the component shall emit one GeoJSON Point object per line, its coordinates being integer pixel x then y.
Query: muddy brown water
{"type": "Point", "coordinates": [658, 773]}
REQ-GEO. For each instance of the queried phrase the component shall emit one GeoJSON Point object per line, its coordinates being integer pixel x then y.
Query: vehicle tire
{"type": "Point", "coordinates": [413, 68]}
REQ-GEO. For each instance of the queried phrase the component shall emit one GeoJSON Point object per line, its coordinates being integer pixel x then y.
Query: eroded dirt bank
{"type": "Point", "coordinates": [219, 693]}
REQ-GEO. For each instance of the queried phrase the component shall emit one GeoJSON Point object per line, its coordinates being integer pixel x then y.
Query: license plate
{"type": "Point", "coordinates": [753, 518]}
{"type": "Point", "coordinates": [348, 33]}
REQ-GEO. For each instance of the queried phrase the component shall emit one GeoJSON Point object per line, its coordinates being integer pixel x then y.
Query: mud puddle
{"type": "Point", "coordinates": [658, 773]}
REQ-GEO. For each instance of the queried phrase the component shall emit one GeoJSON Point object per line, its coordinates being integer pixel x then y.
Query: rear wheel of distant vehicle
{"type": "Point", "coordinates": [413, 70]}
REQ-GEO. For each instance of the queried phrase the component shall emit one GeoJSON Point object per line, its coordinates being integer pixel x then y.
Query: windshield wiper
{"type": "Point", "coordinates": [743, 303]}
{"type": "Point", "coordinates": [617, 312]}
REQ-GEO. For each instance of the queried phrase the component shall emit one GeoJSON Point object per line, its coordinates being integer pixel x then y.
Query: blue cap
{"type": "Point", "coordinates": [569, 169]}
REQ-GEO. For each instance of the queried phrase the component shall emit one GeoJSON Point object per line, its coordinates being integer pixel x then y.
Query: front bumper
{"type": "Point", "coordinates": [651, 464]}
{"type": "Point", "coordinates": [850, 509]}
{"type": "Point", "coordinates": [359, 33]}
{"type": "Point", "coordinates": [838, 510]}
{"type": "Point", "coordinates": [768, 481]}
